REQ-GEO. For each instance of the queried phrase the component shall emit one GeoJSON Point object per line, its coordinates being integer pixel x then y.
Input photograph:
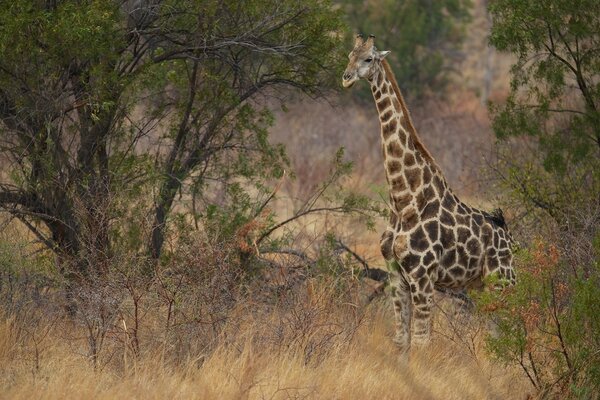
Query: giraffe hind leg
{"type": "Point", "coordinates": [402, 310]}
{"type": "Point", "coordinates": [422, 299]}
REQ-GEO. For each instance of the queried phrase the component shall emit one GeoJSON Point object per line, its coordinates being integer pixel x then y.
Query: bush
{"type": "Point", "coordinates": [549, 323]}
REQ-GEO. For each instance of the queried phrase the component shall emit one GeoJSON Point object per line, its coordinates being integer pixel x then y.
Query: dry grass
{"type": "Point", "coordinates": [340, 352]}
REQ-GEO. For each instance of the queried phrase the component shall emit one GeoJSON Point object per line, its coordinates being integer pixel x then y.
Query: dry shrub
{"type": "Point", "coordinates": [278, 354]}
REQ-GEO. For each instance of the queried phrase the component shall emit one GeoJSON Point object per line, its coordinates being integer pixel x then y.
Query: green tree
{"type": "Point", "coordinates": [423, 36]}
{"type": "Point", "coordinates": [110, 109]}
{"type": "Point", "coordinates": [549, 167]}
{"type": "Point", "coordinates": [553, 103]}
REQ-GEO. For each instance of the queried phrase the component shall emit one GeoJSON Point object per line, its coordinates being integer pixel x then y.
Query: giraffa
{"type": "Point", "coordinates": [433, 240]}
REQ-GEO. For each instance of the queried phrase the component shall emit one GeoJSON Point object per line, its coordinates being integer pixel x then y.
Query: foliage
{"type": "Point", "coordinates": [549, 168]}
{"type": "Point", "coordinates": [109, 110]}
{"type": "Point", "coordinates": [421, 34]}
{"type": "Point", "coordinates": [554, 102]}
{"type": "Point", "coordinates": [549, 324]}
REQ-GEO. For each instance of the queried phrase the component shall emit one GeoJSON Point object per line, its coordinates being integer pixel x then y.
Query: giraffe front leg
{"type": "Point", "coordinates": [422, 300]}
{"type": "Point", "coordinates": [402, 311]}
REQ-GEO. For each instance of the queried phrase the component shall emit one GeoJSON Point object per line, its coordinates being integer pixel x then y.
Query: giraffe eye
{"type": "Point", "coordinates": [369, 59]}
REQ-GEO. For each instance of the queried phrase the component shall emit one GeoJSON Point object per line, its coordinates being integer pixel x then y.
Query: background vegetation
{"type": "Point", "coordinates": [180, 219]}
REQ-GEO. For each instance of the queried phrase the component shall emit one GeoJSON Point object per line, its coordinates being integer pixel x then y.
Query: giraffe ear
{"type": "Point", "coordinates": [383, 54]}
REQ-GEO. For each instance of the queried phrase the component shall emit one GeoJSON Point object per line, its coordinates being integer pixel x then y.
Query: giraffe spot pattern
{"type": "Point", "coordinates": [383, 104]}
{"type": "Point", "coordinates": [388, 129]}
{"type": "Point", "coordinates": [385, 117]}
{"type": "Point", "coordinates": [413, 177]}
{"type": "Point", "coordinates": [398, 184]}
{"type": "Point", "coordinates": [428, 258]}
{"type": "Point", "coordinates": [429, 193]}
{"type": "Point", "coordinates": [401, 201]}
{"type": "Point", "coordinates": [448, 203]}
{"type": "Point", "coordinates": [410, 262]}
{"type": "Point", "coordinates": [421, 201]}
{"type": "Point", "coordinates": [439, 186]}
{"type": "Point", "coordinates": [409, 219]}
{"type": "Point", "coordinates": [418, 240]}
{"type": "Point", "coordinates": [394, 149]}
{"type": "Point", "coordinates": [430, 210]}
{"type": "Point", "coordinates": [393, 166]}
{"type": "Point", "coordinates": [427, 175]}
{"type": "Point", "coordinates": [386, 245]}
{"type": "Point", "coordinates": [447, 219]}
{"type": "Point", "coordinates": [432, 230]}
{"type": "Point", "coordinates": [400, 246]}
{"type": "Point", "coordinates": [436, 238]}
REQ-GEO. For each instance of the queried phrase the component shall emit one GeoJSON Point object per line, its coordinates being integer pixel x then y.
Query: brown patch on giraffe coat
{"type": "Point", "coordinates": [457, 272]}
{"type": "Point", "coordinates": [493, 264]}
{"type": "Point", "coordinates": [410, 218]}
{"type": "Point", "coordinates": [486, 235]}
{"type": "Point", "coordinates": [413, 177]}
{"type": "Point", "coordinates": [400, 246]}
{"type": "Point", "coordinates": [419, 273]}
{"type": "Point", "coordinates": [377, 95]}
{"type": "Point", "coordinates": [428, 258]}
{"type": "Point", "coordinates": [427, 175]}
{"type": "Point", "coordinates": [408, 123]}
{"type": "Point", "coordinates": [446, 218]}
{"type": "Point", "coordinates": [398, 184]}
{"type": "Point", "coordinates": [421, 201]}
{"type": "Point", "coordinates": [463, 234]}
{"type": "Point", "coordinates": [383, 104]}
{"type": "Point", "coordinates": [401, 136]}
{"type": "Point", "coordinates": [418, 240]}
{"type": "Point", "coordinates": [386, 244]}
{"type": "Point", "coordinates": [462, 220]}
{"type": "Point", "coordinates": [448, 203]}
{"type": "Point", "coordinates": [409, 160]}
{"type": "Point", "coordinates": [447, 236]}
{"type": "Point", "coordinates": [401, 201]}
{"type": "Point", "coordinates": [393, 219]}
{"type": "Point", "coordinates": [393, 166]}
{"type": "Point", "coordinates": [388, 129]}
{"type": "Point", "coordinates": [386, 116]}
{"type": "Point", "coordinates": [394, 149]}
{"type": "Point", "coordinates": [379, 79]}
{"type": "Point", "coordinates": [428, 192]}
{"type": "Point", "coordinates": [449, 258]}
{"type": "Point", "coordinates": [474, 247]}
{"type": "Point", "coordinates": [430, 210]}
{"type": "Point", "coordinates": [439, 185]}
{"type": "Point", "coordinates": [432, 230]}
{"type": "Point", "coordinates": [475, 229]}
{"type": "Point", "coordinates": [463, 257]}
{"type": "Point", "coordinates": [410, 262]}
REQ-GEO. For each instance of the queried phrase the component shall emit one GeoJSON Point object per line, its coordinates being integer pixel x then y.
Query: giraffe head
{"type": "Point", "coordinates": [364, 58]}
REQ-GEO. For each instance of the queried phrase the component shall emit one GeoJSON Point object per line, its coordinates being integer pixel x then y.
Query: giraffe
{"type": "Point", "coordinates": [433, 240]}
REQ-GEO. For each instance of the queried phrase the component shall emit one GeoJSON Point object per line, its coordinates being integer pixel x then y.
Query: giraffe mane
{"type": "Point", "coordinates": [410, 127]}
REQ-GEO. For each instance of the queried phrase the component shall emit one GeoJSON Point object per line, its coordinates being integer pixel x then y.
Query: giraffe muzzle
{"type": "Point", "coordinates": [348, 79]}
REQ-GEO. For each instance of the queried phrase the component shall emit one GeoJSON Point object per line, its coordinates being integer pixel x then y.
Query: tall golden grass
{"type": "Point", "coordinates": [317, 349]}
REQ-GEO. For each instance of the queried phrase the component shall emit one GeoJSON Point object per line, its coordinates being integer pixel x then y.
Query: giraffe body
{"type": "Point", "coordinates": [433, 240]}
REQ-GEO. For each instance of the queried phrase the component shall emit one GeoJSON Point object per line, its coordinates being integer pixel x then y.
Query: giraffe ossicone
{"type": "Point", "coordinates": [433, 240]}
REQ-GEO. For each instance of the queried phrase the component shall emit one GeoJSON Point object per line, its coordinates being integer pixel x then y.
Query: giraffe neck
{"type": "Point", "coordinates": [408, 164]}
